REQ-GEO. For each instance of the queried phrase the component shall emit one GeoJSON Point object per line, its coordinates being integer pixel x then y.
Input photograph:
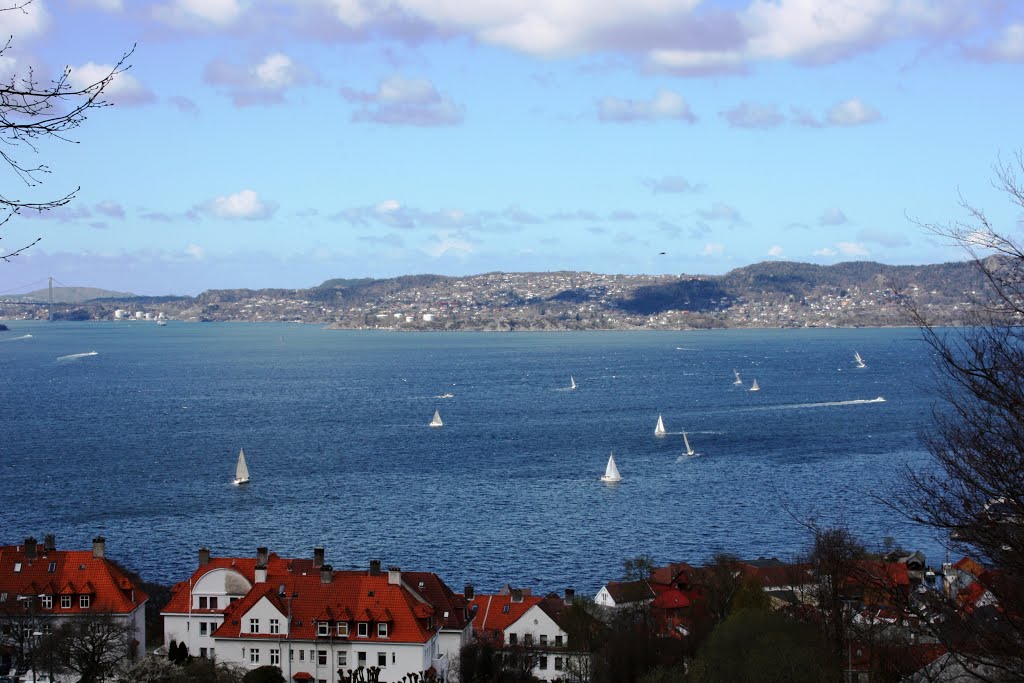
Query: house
{"type": "Point", "coordinates": [534, 630]}
{"type": "Point", "coordinates": [618, 594]}
{"type": "Point", "coordinates": [310, 620]}
{"type": "Point", "coordinates": [42, 587]}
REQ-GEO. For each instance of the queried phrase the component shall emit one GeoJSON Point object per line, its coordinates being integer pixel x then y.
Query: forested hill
{"type": "Point", "coordinates": [769, 294]}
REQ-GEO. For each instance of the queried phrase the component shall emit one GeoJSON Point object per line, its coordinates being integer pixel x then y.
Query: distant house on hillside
{"type": "Point", "coordinates": [617, 594]}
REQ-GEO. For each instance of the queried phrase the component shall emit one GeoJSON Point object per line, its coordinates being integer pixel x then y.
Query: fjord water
{"type": "Point", "coordinates": [139, 442]}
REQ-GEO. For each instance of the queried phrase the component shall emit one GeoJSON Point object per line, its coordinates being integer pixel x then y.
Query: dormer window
{"type": "Point", "coordinates": [323, 629]}
{"type": "Point", "coordinates": [213, 602]}
{"type": "Point", "coordinates": [65, 602]}
{"type": "Point", "coordinates": [83, 601]}
{"type": "Point", "coordinates": [363, 630]}
{"type": "Point", "coordinates": [47, 602]}
{"type": "Point", "coordinates": [203, 601]}
{"type": "Point", "coordinates": [342, 628]}
{"type": "Point", "coordinates": [382, 630]}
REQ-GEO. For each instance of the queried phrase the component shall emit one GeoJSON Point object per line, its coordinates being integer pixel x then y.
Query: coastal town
{"type": "Point", "coordinates": [759, 296]}
{"type": "Point", "coordinates": [838, 612]}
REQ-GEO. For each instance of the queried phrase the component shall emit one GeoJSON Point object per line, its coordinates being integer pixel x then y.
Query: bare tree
{"type": "Point", "coordinates": [92, 646]}
{"type": "Point", "coordinates": [32, 110]}
{"type": "Point", "coordinates": [974, 492]}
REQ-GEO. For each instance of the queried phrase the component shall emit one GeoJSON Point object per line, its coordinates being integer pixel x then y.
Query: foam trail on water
{"type": "Point", "coordinates": [24, 336]}
{"type": "Point", "coordinates": [78, 355]}
{"type": "Point", "coordinates": [854, 402]}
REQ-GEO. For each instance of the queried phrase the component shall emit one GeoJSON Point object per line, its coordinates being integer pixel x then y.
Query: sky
{"type": "Point", "coordinates": [280, 143]}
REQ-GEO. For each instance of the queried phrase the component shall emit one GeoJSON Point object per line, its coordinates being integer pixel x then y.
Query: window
{"type": "Point", "coordinates": [202, 652]}
{"type": "Point", "coordinates": [542, 663]}
{"type": "Point", "coordinates": [504, 609]}
{"type": "Point", "coordinates": [528, 639]}
{"type": "Point", "coordinates": [362, 658]}
{"type": "Point", "coordinates": [275, 657]}
{"type": "Point", "coordinates": [83, 601]}
{"type": "Point", "coordinates": [17, 567]}
{"type": "Point", "coordinates": [321, 657]}
{"type": "Point", "coordinates": [342, 659]}
{"type": "Point", "coordinates": [558, 663]}
{"type": "Point", "coordinates": [47, 602]}
{"type": "Point", "coordinates": [364, 629]}
{"type": "Point", "coordinates": [543, 639]}
{"type": "Point", "coordinates": [558, 641]}
{"type": "Point", "coordinates": [382, 659]}
{"type": "Point", "coordinates": [254, 656]}
{"type": "Point", "coordinates": [513, 639]}
{"type": "Point", "coordinates": [213, 602]}
{"type": "Point", "coordinates": [343, 628]}
{"type": "Point", "coordinates": [65, 602]}
{"type": "Point", "coordinates": [254, 625]}
{"type": "Point", "coordinates": [3, 597]}
{"type": "Point", "coordinates": [323, 629]}
{"type": "Point", "coordinates": [382, 630]}
{"type": "Point", "coordinates": [202, 628]}
{"type": "Point", "coordinates": [302, 655]}
{"type": "Point", "coordinates": [231, 600]}
{"type": "Point", "coordinates": [275, 626]}
{"type": "Point", "coordinates": [52, 568]}
{"type": "Point", "coordinates": [203, 601]}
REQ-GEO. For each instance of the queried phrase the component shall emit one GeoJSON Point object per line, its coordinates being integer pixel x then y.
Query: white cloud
{"type": "Point", "coordinates": [198, 13]}
{"type": "Point", "coordinates": [852, 249]}
{"type": "Point", "coordinates": [666, 105]}
{"type": "Point", "coordinates": [261, 83]}
{"type": "Point", "coordinates": [402, 101]}
{"type": "Point", "coordinates": [123, 89]}
{"type": "Point", "coordinates": [1008, 47]}
{"type": "Point", "coordinates": [775, 251]}
{"type": "Point", "coordinates": [750, 115]}
{"type": "Point", "coordinates": [29, 21]}
{"type": "Point", "coordinates": [825, 251]}
{"type": "Point", "coordinates": [106, 5]}
{"type": "Point", "coordinates": [245, 204]}
{"type": "Point", "coordinates": [388, 206]}
{"type": "Point", "coordinates": [195, 251]}
{"type": "Point", "coordinates": [713, 249]}
{"type": "Point", "coordinates": [448, 243]}
{"type": "Point", "coordinates": [832, 216]}
{"type": "Point", "coordinates": [694, 62]}
{"type": "Point", "coordinates": [852, 112]}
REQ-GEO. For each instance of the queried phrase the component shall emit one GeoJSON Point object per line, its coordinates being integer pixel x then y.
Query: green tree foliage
{"type": "Point", "coordinates": [764, 647]}
{"type": "Point", "coordinates": [264, 674]}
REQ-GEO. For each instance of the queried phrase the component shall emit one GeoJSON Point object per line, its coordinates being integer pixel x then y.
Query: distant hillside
{"type": "Point", "coordinates": [71, 295]}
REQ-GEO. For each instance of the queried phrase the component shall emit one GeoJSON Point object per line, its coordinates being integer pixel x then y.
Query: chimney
{"type": "Point", "coordinates": [517, 595]}
{"type": "Point", "coordinates": [99, 547]}
{"type": "Point", "coordinates": [30, 548]}
{"type": "Point", "coordinates": [570, 595]}
{"type": "Point", "coordinates": [262, 555]}
{"type": "Point", "coordinates": [204, 556]}
{"type": "Point", "coordinates": [318, 558]}
{"type": "Point", "coordinates": [374, 567]}
{"type": "Point", "coordinates": [326, 573]}
{"type": "Point", "coordinates": [394, 576]}
{"type": "Point", "coordinates": [468, 592]}
{"type": "Point", "coordinates": [261, 573]}
{"type": "Point", "coordinates": [49, 542]}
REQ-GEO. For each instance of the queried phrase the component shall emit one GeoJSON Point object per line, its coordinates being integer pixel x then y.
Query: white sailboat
{"type": "Point", "coordinates": [611, 472]}
{"type": "Point", "coordinates": [659, 430]}
{"type": "Point", "coordinates": [858, 360]}
{"type": "Point", "coordinates": [754, 387]}
{"type": "Point", "coordinates": [689, 449]}
{"type": "Point", "coordinates": [572, 383]}
{"type": "Point", "coordinates": [436, 422]}
{"type": "Point", "coordinates": [241, 469]}
{"type": "Point", "coordinates": [738, 380]}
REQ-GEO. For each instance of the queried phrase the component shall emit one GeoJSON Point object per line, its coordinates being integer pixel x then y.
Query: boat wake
{"type": "Point", "coordinates": [24, 336]}
{"type": "Point", "coordinates": [73, 356]}
{"type": "Point", "coordinates": [825, 404]}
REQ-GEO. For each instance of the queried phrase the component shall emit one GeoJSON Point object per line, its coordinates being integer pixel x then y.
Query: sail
{"type": "Point", "coordinates": [611, 472]}
{"type": "Point", "coordinates": [857, 359]}
{"type": "Point", "coordinates": [436, 422]}
{"type": "Point", "coordinates": [754, 387]}
{"type": "Point", "coordinates": [738, 380]}
{"type": "Point", "coordinates": [572, 382]}
{"type": "Point", "coordinates": [689, 451]}
{"type": "Point", "coordinates": [241, 469]}
{"type": "Point", "coordinates": [660, 429]}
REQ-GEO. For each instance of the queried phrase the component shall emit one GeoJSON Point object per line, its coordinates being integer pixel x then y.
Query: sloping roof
{"type": "Point", "coordinates": [451, 609]}
{"type": "Point", "coordinates": [66, 572]}
{"type": "Point", "coordinates": [629, 591]}
{"type": "Point", "coordinates": [671, 599]}
{"type": "Point", "coordinates": [676, 572]}
{"type": "Point", "coordinates": [495, 613]}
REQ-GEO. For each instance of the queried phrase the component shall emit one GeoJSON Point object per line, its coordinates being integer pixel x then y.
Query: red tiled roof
{"type": "Point", "coordinates": [671, 599]}
{"type": "Point", "coordinates": [677, 572]}
{"type": "Point", "coordinates": [495, 613]}
{"type": "Point", "coordinates": [302, 676]}
{"type": "Point", "coordinates": [430, 586]}
{"type": "Point", "coordinates": [969, 566]}
{"type": "Point", "coordinates": [76, 572]}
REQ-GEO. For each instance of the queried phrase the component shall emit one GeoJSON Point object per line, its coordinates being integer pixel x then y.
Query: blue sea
{"type": "Point", "coordinates": [138, 443]}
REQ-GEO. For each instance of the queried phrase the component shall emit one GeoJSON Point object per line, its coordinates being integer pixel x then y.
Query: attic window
{"type": "Point", "coordinates": [421, 584]}
{"type": "Point", "coordinates": [323, 629]}
{"type": "Point", "coordinates": [504, 609]}
{"type": "Point", "coordinates": [363, 629]}
{"type": "Point", "coordinates": [17, 567]}
{"type": "Point", "coordinates": [53, 567]}
{"type": "Point", "coordinates": [445, 615]}
{"type": "Point", "coordinates": [369, 594]}
{"type": "Point", "coordinates": [81, 567]}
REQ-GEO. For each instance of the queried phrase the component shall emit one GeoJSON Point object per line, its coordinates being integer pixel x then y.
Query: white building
{"type": "Point", "coordinates": [311, 621]}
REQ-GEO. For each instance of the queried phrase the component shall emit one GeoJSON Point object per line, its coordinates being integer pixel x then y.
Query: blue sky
{"type": "Point", "coordinates": [279, 143]}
